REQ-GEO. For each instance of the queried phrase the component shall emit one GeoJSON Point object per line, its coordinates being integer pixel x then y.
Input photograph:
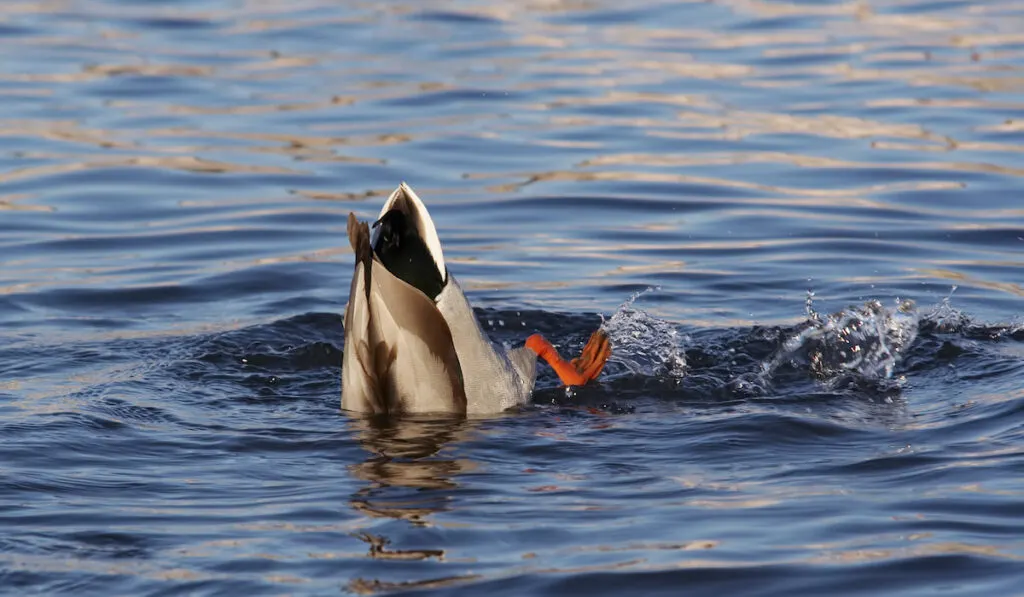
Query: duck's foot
{"type": "Point", "coordinates": [580, 370]}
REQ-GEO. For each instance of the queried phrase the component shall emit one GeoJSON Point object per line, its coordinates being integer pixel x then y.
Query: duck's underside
{"type": "Point", "coordinates": [412, 343]}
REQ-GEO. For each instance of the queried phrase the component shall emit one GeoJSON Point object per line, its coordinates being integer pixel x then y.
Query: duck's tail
{"type": "Point", "coordinates": [359, 238]}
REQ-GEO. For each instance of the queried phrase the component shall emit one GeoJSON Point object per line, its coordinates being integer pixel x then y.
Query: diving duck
{"type": "Point", "coordinates": [412, 343]}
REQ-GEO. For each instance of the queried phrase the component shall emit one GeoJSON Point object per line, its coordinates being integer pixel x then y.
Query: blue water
{"type": "Point", "coordinates": [801, 223]}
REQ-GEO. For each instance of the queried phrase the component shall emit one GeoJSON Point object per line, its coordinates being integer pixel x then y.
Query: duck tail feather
{"type": "Point", "coordinates": [359, 238]}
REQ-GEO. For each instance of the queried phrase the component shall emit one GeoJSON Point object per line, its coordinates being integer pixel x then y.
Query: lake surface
{"type": "Point", "coordinates": [802, 224]}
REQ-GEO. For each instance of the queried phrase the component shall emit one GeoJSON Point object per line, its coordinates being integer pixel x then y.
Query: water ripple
{"type": "Point", "coordinates": [175, 264]}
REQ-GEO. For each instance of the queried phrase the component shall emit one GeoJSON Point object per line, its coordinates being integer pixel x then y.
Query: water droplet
{"type": "Point", "coordinates": [644, 344]}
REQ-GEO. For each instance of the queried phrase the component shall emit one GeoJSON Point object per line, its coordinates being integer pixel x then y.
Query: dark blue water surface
{"type": "Point", "coordinates": [802, 224]}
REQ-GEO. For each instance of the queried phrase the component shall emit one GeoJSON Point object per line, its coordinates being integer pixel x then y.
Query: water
{"type": "Point", "coordinates": [802, 224]}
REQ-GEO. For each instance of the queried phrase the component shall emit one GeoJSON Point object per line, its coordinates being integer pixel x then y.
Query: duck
{"type": "Point", "coordinates": [412, 342]}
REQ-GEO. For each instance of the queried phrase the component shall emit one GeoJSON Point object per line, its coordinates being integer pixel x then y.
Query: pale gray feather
{"type": "Point", "coordinates": [493, 381]}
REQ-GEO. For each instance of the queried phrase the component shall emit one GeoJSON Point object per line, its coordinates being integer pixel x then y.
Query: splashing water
{"type": "Point", "coordinates": [645, 345]}
{"type": "Point", "coordinates": [866, 340]}
{"type": "Point", "coordinates": [944, 318]}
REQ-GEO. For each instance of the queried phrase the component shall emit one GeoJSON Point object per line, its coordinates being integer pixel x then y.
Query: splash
{"type": "Point", "coordinates": [645, 345]}
{"type": "Point", "coordinates": [944, 318]}
{"type": "Point", "coordinates": [866, 340]}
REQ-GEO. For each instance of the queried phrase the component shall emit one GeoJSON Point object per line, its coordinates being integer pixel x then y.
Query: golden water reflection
{"type": "Point", "coordinates": [605, 60]}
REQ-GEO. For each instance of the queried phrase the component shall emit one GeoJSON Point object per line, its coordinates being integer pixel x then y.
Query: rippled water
{"type": "Point", "coordinates": [802, 224]}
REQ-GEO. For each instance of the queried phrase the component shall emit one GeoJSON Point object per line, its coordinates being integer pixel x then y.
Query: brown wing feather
{"type": "Point", "coordinates": [370, 360]}
{"type": "Point", "coordinates": [359, 238]}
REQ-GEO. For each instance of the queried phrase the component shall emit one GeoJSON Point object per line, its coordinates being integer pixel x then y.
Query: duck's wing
{"type": "Point", "coordinates": [524, 361]}
{"type": "Point", "coordinates": [399, 355]}
{"type": "Point", "coordinates": [494, 380]}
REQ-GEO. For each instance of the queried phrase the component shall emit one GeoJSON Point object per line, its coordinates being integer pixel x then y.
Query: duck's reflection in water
{"type": "Point", "coordinates": [407, 478]}
{"type": "Point", "coordinates": [406, 453]}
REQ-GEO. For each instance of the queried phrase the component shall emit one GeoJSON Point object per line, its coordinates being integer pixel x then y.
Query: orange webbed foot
{"type": "Point", "coordinates": [581, 370]}
{"type": "Point", "coordinates": [595, 354]}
